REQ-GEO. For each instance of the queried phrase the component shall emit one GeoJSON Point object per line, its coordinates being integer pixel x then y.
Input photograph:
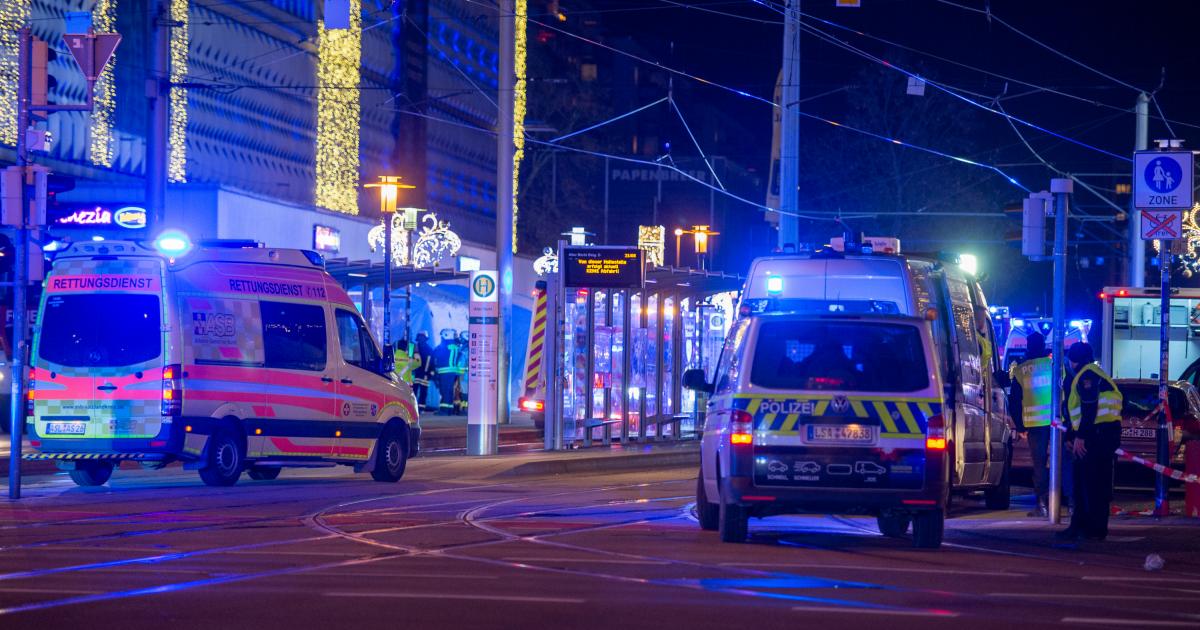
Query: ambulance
{"type": "Point", "coordinates": [229, 356]}
{"type": "Point", "coordinates": [854, 383]}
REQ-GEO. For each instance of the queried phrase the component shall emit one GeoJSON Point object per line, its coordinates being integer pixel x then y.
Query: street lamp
{"type": "Point", "coordinates": [700, 234]}
{"type": "Point", "coordinates": [389, 190]}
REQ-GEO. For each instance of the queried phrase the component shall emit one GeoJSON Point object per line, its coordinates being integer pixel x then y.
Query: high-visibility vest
{"type": "Point", "coordinates": [1037, 390]}
{"type": "Point", "coordinates": [405, 362]}
{"type": "Point", "coordinates": [1109, 409]}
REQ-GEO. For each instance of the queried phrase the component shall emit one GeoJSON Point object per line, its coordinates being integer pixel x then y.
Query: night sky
{"type": "Point", "coordinates": [1117, 39]}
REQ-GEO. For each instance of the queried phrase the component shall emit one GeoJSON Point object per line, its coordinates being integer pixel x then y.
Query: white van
{"type": "Point", "coordinates": [229, 357]}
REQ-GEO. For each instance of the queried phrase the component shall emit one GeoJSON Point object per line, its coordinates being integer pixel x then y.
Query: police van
{"type": "Point", "coordinates": [857, 384]}
{"type": "Point", "coordinates": [228, 356]}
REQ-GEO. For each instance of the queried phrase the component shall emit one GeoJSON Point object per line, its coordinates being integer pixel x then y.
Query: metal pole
{"type": "Point", "coordinates": [1161, 505]}
{"type": "Point", "coordinates": [505, 210]}
{"type": "Point", "coordinates": [408, 314]}
{"type": "Point", "coordinates": [157, 151]}
{"type": "Point", "coordinates": [1061, 189]}
{"type": "Point", "coordinates": [789, 128]}
{"type": "Point", "coordinates": [21, 273]}
{"type": "Point", "coordinates": [1137, 246]}
{"type": "Point", "coordinates": [607, 174]}
{"type": "Point", "coordinates": [387, 277]}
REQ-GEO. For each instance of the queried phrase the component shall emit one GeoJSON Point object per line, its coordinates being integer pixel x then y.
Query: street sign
{"type": "Point", "coordinates": [482, 358]}
{"type": "Point", "coordinates": [91, 52]}
{"type": "Point", "coordinates": [1162, 224]}
{"type": "Point", "coordinates": [1162, 180]}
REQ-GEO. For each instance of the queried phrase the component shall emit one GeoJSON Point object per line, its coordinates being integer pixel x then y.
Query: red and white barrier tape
{"type": "Point", "coordinates": [1159, 468]}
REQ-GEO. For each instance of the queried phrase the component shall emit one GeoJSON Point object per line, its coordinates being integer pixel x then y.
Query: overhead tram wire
{"type": "Point", "coordinates": [955, 92]}
{"type": "Point", "coordinates": [743, 93]}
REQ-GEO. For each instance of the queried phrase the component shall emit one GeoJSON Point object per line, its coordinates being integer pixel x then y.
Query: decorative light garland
{"type": "Point", "coordinates": [652, 240]}
{"type": "Point", "coordinates": [177, 131]}
{"type": "Point", "coordinates": [435, 242]}
{"type": "Point", "coordinates": [104, 100]}
{"type": "Point", "coordinates": [13, 14]}
{"type": "Point", "coordinates": [520, 37]}
{"type": "Point", "coordinates": [547, 263]}
{"type": "Point", "coordinates": [339, 54]}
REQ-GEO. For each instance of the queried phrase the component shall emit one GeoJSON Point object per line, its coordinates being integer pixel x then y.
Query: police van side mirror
{"type": "Point", "coordinates": [694, 380]}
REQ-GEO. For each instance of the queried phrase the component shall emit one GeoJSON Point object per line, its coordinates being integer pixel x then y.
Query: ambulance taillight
{"type": "Point", "coordinates": [172, 390]}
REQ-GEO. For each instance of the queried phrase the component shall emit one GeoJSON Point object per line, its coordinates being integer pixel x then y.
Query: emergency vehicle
{"type": "Point", "coordinates": [229, 356]}
{"type": "Point", "coordinates": [870, 377]}
{"type": "Point", "coordinates": [1130, 333]}
{"type": "Point", "coordinates": [1016, 342]}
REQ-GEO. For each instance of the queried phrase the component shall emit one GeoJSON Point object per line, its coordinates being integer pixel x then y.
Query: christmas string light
{"type": "Point", "coordinates": [104, 99]}
{"type": "Point", "coordinates": [520, 20]}
{"type": "Point", "coordinates": [13, 14]}
{"type": "Point", "coordinates": [339, 59]}
{"type": "Point", "coordinates": [178, 117]}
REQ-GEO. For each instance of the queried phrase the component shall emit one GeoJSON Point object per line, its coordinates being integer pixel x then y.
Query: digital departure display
{"type": "Point", "coordinates": [602, 267]}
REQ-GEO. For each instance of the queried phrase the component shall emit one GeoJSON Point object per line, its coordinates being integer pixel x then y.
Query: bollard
{"type": "Point", "coordinates": [1191, 497]}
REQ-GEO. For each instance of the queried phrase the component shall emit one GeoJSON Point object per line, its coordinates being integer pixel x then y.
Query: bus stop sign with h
{"type": "Point", "coordinates": [1162, 191]}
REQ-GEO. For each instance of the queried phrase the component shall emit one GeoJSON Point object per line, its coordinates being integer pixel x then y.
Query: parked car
{"type": "Point", "coordinates": [1139, 422]}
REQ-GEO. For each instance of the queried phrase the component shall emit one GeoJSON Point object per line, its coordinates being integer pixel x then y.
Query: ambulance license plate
{"type": "Point", "coordinates": [66, 428]}
{"type": "Point", "coordinates": [841, 433]}
{"type": "Point", "coordinates": [1134, 432]}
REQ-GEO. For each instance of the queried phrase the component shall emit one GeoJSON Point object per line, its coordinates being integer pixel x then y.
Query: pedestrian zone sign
{"type": "Point", "coordinates": [1162, 180]}
{"type": "Point", "coordinates": [1162, 224]}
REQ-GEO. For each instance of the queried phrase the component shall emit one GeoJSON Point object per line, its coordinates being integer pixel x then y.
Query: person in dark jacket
{"type": "Point", "coordinates": [445, 363]}
{"type": "Point", "coordinates": [423, 369]}
{"type": "Point", "coordinates": [1093, 436]}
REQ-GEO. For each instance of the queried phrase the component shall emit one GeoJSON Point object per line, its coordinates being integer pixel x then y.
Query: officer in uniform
{"type": "Point", "coordinates": [1093, 436]}
{"type": "Point", "coordinates": [1031, 408]}
{"type": "Point", "coordinates": [422, 368]}
{"type": "Point", "coordinates": [445, 363]}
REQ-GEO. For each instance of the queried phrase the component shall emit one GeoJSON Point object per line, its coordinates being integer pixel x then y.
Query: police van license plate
{"type": "Point", "coordinates": [1134, 432]}
{"type": "Point", "coordinates": [841, 433]}
{"type": "Point", "coordinates": [66, 428]}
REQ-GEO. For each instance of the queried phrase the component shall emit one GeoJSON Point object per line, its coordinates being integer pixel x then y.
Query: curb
{"type": "Point", "coordinates": [674, 458]}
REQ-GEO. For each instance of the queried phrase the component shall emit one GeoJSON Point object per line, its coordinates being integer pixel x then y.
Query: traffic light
{"type": "Point", "coordinates": [41, 81]}
{"type": "Point", "coordinates": [1034, 211]}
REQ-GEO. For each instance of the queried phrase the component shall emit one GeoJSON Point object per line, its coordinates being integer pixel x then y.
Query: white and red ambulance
{"type": "Point", "coordinates": [229, 356]}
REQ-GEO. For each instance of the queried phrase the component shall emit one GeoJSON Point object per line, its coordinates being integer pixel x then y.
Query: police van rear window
{"type": "Point", "coordinates": [101, 329]}
{"type": "Point", "coordinates": [843, 356]}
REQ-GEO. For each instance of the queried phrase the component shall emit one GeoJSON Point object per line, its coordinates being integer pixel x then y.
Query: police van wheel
{"type": "Point", "coordinates": [91, 473]}
{"type": "Point", "coordinates": [390, 457]}
{"type": "Point", "coordinates": [893, 525]}
{"type": "Point", "coordinates": [707, 513]}
{"type": "Point", "coordinates": [928, 528]}
{"type": "Point", "coordinates": [1000, 497]}
{"type": "Point", "coordinates": [733, 523]}
{"type": "Point", "coordinates": [225, 460]}
{"type": "Point", "coordinates": [264, 473]}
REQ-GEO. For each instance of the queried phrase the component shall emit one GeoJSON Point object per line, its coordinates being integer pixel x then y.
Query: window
{"type": "Point", "coordinates": [728, 366]}
{"type": "Point", "coordinates": [358, 349]}
{"type": "Point", "coordinates": [845, 356]}
{"type": "Point", "coordinates": [101, 329]}
{"type": "Point", "coordinates": [293, 336]}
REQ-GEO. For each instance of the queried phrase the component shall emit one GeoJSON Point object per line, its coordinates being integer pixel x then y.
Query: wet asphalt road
{"type": "Point", "coordinates": [445, 548]}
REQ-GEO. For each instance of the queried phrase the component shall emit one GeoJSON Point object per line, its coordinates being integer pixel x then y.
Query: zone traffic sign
{"type": "Point", "coordinates": [1162, 180]}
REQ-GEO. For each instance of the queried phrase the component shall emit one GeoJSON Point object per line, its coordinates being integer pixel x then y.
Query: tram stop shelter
{"type": "Point", "coordinates": [626, 331]}
{"type": "Point", "coordinates": [364, 277]}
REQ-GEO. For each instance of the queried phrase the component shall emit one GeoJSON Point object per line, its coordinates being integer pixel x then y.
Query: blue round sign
{"type": "Point", "coordinates": [1163, 175]}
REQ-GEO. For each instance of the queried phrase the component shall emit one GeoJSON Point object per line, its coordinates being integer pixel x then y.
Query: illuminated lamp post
{"type": "Point", "coordinates": [700, 234]}
{"type": "Point", "coordinates": [389, 190]}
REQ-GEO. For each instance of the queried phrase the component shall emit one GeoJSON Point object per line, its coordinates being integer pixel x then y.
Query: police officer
{"type": "Point", "coordinates": [445, 363]}
{"type": "Point", "coordinates": [1031, 408]}
{"type": "Point", "coordinates": [1093, 436]}
{"type": "Point", "coordinates": [422, 368]}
